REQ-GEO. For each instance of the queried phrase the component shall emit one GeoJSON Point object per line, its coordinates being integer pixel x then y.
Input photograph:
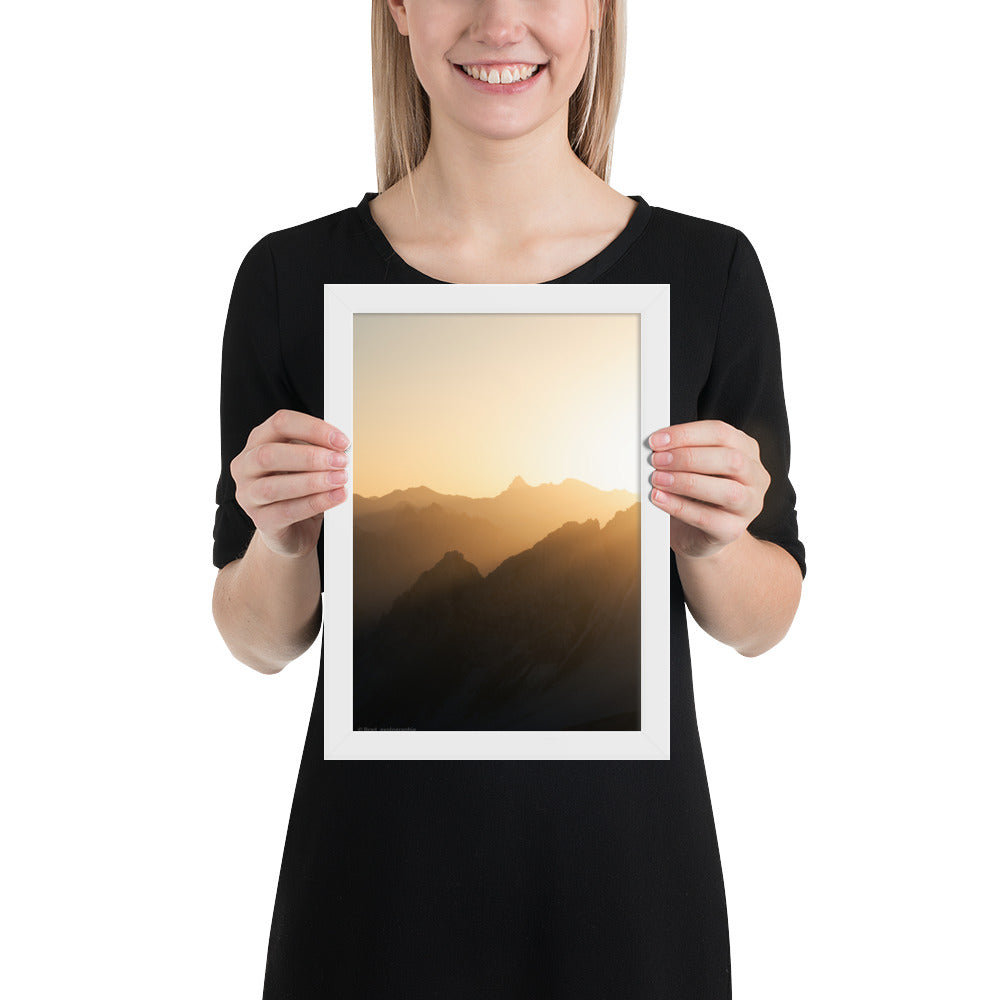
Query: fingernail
{"type": "Point", "coordinates": [340, 441]}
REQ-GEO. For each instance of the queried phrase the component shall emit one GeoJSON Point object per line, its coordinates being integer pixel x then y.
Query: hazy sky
{"type": "Point", "coordinates": [464, 403]}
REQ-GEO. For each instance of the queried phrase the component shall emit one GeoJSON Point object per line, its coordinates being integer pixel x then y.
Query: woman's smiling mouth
{"type": "Point", "coordinates": [501, 77]}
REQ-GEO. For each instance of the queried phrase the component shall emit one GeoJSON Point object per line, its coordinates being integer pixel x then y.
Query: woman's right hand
{"type": "Point", "coordinates": [293, 468]}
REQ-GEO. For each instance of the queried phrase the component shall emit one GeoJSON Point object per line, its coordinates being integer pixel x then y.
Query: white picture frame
{"type": "Point", "coordinates": [650, 303]}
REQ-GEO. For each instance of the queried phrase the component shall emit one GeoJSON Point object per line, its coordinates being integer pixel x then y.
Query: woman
{"type": "Point", "coordinates": [553, 878]}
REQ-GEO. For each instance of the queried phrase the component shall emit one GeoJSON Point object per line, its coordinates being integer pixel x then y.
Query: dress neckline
{"type": "Point", "coordinates": [585, 272]}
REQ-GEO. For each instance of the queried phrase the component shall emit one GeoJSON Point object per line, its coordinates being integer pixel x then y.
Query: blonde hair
{"type": "Point", "coordinates": [403, 114]}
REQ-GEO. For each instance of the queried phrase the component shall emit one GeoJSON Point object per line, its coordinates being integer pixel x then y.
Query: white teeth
{"type": "Point", "coordinates": [509, 74]}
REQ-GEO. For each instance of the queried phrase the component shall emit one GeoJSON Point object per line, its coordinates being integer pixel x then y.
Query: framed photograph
{"type": "Point", "coordinates": [496, 585]}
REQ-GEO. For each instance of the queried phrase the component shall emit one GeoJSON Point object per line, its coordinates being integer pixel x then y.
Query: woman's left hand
{"type": "Point", "coordinates": [710, 479]}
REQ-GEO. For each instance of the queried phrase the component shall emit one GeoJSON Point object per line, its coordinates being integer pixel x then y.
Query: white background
{"type": "Point", "coordinates": [148, 775]}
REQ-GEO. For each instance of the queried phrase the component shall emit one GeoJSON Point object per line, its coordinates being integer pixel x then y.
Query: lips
{"type": "Point", "coordinates": [514, 87]}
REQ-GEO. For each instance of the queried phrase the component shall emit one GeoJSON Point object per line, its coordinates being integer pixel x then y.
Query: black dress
{"type": "Point", "coordinates": [513, 880]}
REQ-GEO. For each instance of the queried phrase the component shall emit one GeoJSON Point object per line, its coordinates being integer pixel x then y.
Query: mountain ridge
{"type": "Point", "coordinates": [548, 640]}
{"type": "Point", "coordinates": [398, 536]}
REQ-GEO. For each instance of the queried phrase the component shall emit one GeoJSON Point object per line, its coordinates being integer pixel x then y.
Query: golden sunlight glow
{"type": "Point", "coordinates": [464, 403]}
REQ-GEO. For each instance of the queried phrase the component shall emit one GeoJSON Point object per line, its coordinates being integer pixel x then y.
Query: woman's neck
{"type": "Point", "coordinates": [500, 187]}
{"type": "Point", "coordinates": [518, 210]}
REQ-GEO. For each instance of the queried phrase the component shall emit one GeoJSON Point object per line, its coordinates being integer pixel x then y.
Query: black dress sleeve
{"type": "Point", "coordinates": [254, 385]}
{"type": "Point", "coordinates": [744, 388]}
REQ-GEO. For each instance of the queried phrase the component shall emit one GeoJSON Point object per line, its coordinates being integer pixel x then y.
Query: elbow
{"type": "Point", "coordinates": [250, 658]}
{"type": "Point", "coordinates": [777, 628]}
{"type": "Point", "coordinates": [243, 651]}
{"type": "Point", "coordinates": [239, 635]}
{"type": "Point", "coordinates": [761, 644]}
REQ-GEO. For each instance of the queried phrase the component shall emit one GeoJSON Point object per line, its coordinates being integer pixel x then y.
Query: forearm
{"type": "Point", "coordinates": [745, 595]}
{"type": "Point", "coordinates": [267, 606]}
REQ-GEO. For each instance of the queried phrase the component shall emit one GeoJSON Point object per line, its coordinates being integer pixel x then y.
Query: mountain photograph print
{"type": "Point", "coordinates": [496, 477]}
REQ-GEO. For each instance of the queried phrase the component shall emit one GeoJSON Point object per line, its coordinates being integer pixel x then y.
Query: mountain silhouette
{"type": "Point", "coordinates": [407, 541]}
{"type": "Point", "coordinates": [548, 640]}
{"type": "Point", "coordinates": [440, 586]}
{"type": "Point", "coordinates": [576, 499]}
{"type": "Point", "coordinates": [398, 536]}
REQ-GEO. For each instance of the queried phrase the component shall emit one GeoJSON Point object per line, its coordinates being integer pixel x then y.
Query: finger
{"type": "Point", "coordinates": [659, 438]}
{"type": "Point", "coordinates": [726, 494]}
{"type": "Point", "coordinates": [273, 489]}
{"type": "Point", "coordinates": [277, 457]}
{"type": "Point", "coordinates": [276, 517]}
{"type": "Point", "coordinates": [729, 462]}
{"type": "Point", "coordinates": [345, 449]}
{"type": "Point", "coordinates": [702, 433]}
{"type": "Point", "coordinates": [715, 523]}
{"type": "Point", "coordinates": [285, 425]}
